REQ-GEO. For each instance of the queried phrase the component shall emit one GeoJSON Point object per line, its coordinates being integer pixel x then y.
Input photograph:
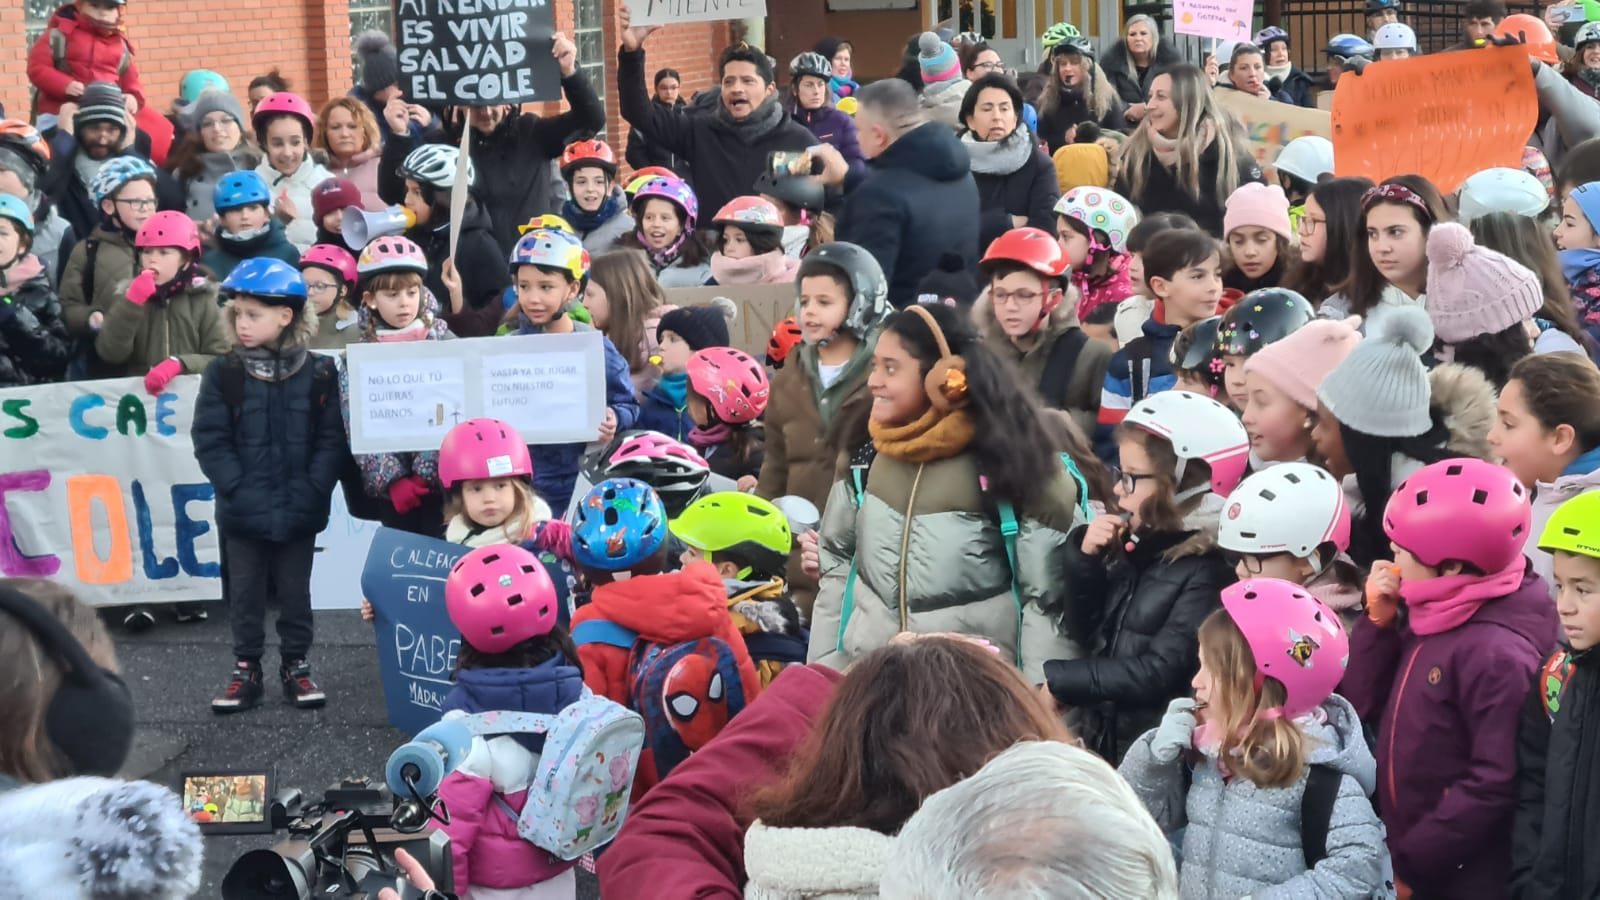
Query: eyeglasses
{"type": "Point", "coordinates": [1308, 225]}
{"type": "Point", "coordinates": [320, 288]}
{"type": "Point", "coordinates": [1253, 564]}
{"type": "Point", "coordinates": [990, 66]}
{"type": "Point", "coordinates": [1015, 298]}
{"type": "Point", "coordinates": [1129, 480]}
{"type": "Point", "coordinates": [138, 204]}
{"type": "Point", "coordinates": [218, 123]}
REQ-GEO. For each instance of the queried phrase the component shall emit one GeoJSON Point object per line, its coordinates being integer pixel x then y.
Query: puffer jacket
{"type": "Point", "coordinates": [1243, 840]}
{"type": "Point", "coordinates": [834, 863]}
{"type": "Point", "coordinates": [833, 127]}
{"type": "Point", "coordinates": [1131, 83]}
{"type": "Point", "coordinates": [225, 251]}
{"type": "Point", "coordinates": [90, 53]}
{"type": "Point", "coordinates": [1019, 181]}
{"type": "Point", "coordinates": [479, 262]}
{"type": "Point", "coordinates": [362, 171]}
{"type": "Point", "coordinates": [115, 264]}
{"type": "Point", "coordinates": [201, 187]}
{"type": "Point", "coordinates": [1581, 477]}
{"type": "Point", "coordinates": [187, 325]}
{"type": "Point", "coordinates": [928, 556]}
{"type": "Point", "coordinates": [484, 845]}
{"type": "Point", "coordinates": [1448, 805]}
{"type": "Point", "coordinates": [1140, 612]}
{"type": "Point", "coordinates": [34, 347]}
{"type": "Point", "coordinates": [1081, 396]}
{"type": "Point", "coordinates": [1558, 793]}
{"type": "Point", "coordinates": [274, 460]}
{"type": "Point", "coordinates": [302, 229]}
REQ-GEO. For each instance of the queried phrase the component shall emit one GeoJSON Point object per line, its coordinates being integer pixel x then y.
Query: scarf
{"type": "Point", "coordinates": [189, 276]}
{"type": "Point", "coordinates": [1281, 73]}
{"type": "Point", "coordinates": [1576, 262]}
{"type": "Point", "coordinates": [842, 87]}
{"type": "Point", "coordinates": [755, 126]}
{"type": "Point", "coordinates": [663, 259]}
{"type": "Point", "coordinates": [463, 530]}
{"type": "Point", "coordinates": [675, 388]}
{"type": "Point", "coordinates": [86, 168]}
{"type": "Point", "coordinates": [1002, 157]}
{"type": "Point", "coordinates": [933, 437]}
{"type": "Point", "coordinates": [1442, 604]}
{"type": "Point", "coordinates": [272, 365]}
{"type": "Point", "coordinates": [416, 331]}
{"type": "Point", "coordinates": [710, 435]}
{"type": "Point", "coordinates": [20, 271]}
{"type": "Point", "coordinates": [244, 244]}
{"type": "Point", "coordinates": [1166, 149]}
{"type": "Point", "coordinates": [1591, 77]}
{"type": "Point", "coordinates": [586, 221]}
{"type": "Point", "coordinates": [765, 268]}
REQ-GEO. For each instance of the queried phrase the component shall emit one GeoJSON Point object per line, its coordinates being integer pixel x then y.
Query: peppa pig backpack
{"type": "Point", "coordinates": [579, 795]}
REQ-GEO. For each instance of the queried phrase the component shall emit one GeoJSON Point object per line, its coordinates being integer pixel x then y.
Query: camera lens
{"type": "Point", "coordinates": [266, 875]}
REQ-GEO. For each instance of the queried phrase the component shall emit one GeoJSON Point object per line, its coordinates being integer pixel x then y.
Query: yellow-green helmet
{"type": "Point", "coordinates": [1058, 33]}
{"type": "Point", "coordinates": [739, 528]}
{"type": "Point", "coordinates": [1574, 527]}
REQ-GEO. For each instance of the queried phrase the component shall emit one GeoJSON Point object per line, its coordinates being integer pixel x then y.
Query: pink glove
{"type": "Point", "coordinates": [142, 288]}
{"type": "Point", "coordinates": [407, 493]}
{"type": "Point", "coordinates": [161, 375]}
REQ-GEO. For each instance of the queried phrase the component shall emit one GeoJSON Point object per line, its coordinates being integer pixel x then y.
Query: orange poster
{"type": "Point", "coordinates": [1444, 116]}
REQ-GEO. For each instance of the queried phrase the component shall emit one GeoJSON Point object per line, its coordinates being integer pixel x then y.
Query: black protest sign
{"type": "Point", "coordinates": [477, 52]}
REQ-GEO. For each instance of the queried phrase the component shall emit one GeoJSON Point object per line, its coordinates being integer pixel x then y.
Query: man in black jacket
{"type": "Point", "coordinates": [727, 151]}
{"type": "Point", "coordinates": [917, 202]}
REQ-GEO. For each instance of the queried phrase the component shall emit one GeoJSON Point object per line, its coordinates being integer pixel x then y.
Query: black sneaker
{"type": "Point", "coordinates": [298, 686]}
{"type": "Point", "coordinates": [190, 612]}
{"type": "Point", "coordinates": [243, 691]}
{"type": "Point", "coordinates": [138, 618]}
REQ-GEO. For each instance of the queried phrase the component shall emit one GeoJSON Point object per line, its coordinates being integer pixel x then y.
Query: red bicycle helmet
{"type": "Point", "coordinates": [593, 152]}
{"type": "Point", "coordinates": [731, 381]}
{"type": "Point", "coordinates": [785, 338]}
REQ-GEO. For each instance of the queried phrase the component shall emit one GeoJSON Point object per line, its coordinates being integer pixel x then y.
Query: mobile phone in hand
{"type": "Point", "coordinates": [791, 162]}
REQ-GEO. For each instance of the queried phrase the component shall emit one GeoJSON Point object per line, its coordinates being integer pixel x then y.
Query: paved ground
{"type": "Point", "coordinates": [174, 670]}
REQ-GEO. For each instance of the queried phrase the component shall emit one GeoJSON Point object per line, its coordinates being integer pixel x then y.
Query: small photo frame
{"type": "Point", "coordinates": [229, 801]}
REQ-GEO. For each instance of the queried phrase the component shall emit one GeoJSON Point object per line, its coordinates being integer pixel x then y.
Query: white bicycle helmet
{"type": "Point", "coordinates": [1501, 190]}
{"type": "Point", "coordinates": [1292, 508]}
{"type": "Point", "coordinates": [435, 164]}
{"type": "Point", "coordinates": [1588, 34]}
{"type": "Point", "coordinates": [1198, 427]}
{"type": "Point", "coordinates": [1101, 210]}
{"type": "Point", "coordinates": [1307, 158]}
{"type": "Point", "coordinates": [1395, 36]}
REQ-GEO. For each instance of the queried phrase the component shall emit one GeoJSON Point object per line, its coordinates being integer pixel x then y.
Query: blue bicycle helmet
{"type": "Point", "coordinates": [241, 188]}
{"type": "Point", "coordinates": [17, 211]}
{"type": "Point", "coordinates": [619, 524]}
{"type": "Point", "coordinates": [272, 281]}
{"type": "Point", "coordinates": [117, 172]}
{"type": "Point", "coordinates": [1348, 46]}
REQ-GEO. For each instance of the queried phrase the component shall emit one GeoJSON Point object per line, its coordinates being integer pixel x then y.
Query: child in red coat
{"type": "Point", "coordinates": [85, 41]}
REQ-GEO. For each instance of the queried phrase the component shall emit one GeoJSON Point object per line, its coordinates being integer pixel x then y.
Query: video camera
{"type": "Point", "coordinates": [344, 847]}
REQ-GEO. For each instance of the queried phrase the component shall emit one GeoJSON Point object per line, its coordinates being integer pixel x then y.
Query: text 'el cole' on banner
{"type": "Point", "coordinates": [1443, 116]}
{"type": "Point", "coordinates": [477, 52]}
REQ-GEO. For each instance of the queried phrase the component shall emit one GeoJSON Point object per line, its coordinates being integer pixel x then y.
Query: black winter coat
{"type": "Point", "coordinates": [275, 459]}
{"type": "Point", "coordinates": [1073, 111]}
{"type": "Point", "coordinates": [71, 196]}
{"type": "Point", "coordinates": [484, 272]}
{"type": "Point", "coordinates": [1558, 789]}
{"type": "Point", "coordinates": [722, 164]}
{"type": "Point", "coordinates": [1031, 191]}
{"type": "Point", "coordinates": [1298, 86]}
{"type": "Point", "coordinates": [1146, 630]}
{"type": "Point", "coordinates": [1162, 193]}
{"type": "Point", "coordinates": [642, 154]}
{"type": "Point", "coordinates": [34, 347]}
{"type": "Point", "coordinates": [1131, 85]}
{"type": "Point", "coordinates": [916, 204]}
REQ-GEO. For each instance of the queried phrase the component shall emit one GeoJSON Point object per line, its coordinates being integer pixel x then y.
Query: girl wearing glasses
{"type": "Point", "coordinates": [1329, 222]}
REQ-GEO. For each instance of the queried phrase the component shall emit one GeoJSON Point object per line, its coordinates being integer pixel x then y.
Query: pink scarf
{"type": "Point", "coordinates": [1441, 604]}
{"type": "Point", "coordinates": [768, 268]}
{"type": "Point", "coordinates": [710, 436]}
{"type": "Point", "coordinates": [416, 331]}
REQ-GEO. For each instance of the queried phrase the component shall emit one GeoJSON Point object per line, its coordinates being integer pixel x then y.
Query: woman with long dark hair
{"type": "Point", "coordinates": [1329, 224]}
{"type": "Point", "coordinates": [1396, 217]}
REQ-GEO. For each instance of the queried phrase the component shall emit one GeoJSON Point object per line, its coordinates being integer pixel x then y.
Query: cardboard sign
{"type": "Point", "coordinates": [404, 579]}
{"type": "Point", "coordinates": [1224, 20]}
{"type": "Point", "coordinates": [672, 12]}
{"type": "Point", "coordinates": [406, 397]}
{"type": "Point", "coordinates": [477, 52]}
{"type": "Point", "coordinates": [761, 307]}
{"type": "Point", "coordinates": [1271, 125]}
{"type": "Point", "coordinates": [1443, 116]}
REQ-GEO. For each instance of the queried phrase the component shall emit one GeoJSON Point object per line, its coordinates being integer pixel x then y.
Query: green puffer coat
{"type": "Point", "coordinates": [943, 567]}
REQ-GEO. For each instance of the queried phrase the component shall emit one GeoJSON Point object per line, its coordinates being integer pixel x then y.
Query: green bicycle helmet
{"type": "Point", "coordinates": [739, 528]}
{"type": "Point", "coordinates": [1574, 527]}
{"type": "Point", "coordinates": [1057, 33]}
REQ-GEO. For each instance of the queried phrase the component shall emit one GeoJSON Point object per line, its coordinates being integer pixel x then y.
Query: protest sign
{"type": "Point", "coordinates": [672, 12]}
{"type": "Point", "coordinates": [477, 52]}
{"type": "Point", "coordinates": [404, 578]}
{"type": "Point", "coordinates": [761, 307]}
{"type": "Point", "coordinates": [1443, 116]}
{"type": "Point", "coordinates": [1270, 124]}
{"type": "Point", "coordinates": [341, 550]}
{"type": "Point", "coordinates": [406, 397]}
{"type": "Point", "coordinates": [1223, 20]}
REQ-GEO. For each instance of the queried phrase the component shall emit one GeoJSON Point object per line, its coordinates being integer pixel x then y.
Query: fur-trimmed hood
{"type": "Point", "coordinates": [97, 839]}
{"type": "Point", "coordinates": [303, 330]}
{"type": "Point", "coordinates": [1063, 317]}
{"type": "Point", "coordinates": [760, 606]}
{"type": "Point", "coordinates": [1204, 522]}
{"type": "Point", "coordinates": [1466, 400]}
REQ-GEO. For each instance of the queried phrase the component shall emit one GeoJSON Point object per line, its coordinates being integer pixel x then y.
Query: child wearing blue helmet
{"type": "Point", "coordinates": [268, 435]}
{"type": "Point", "coordinates": [33, 339]}
{"type": "Point", "coordinates": [246, 227]}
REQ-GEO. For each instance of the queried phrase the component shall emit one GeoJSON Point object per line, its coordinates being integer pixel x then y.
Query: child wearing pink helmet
{"type": "Point", "coordinates": [330, 275]}
{"type": "Point", "coordinates": [727, 393]}
{"type": "Point", "coordinates": [1445, 683]}
{"type": "Point", "coordinates": [1263, 753]}
{"type": "Point", "coordinates": [284, 124]}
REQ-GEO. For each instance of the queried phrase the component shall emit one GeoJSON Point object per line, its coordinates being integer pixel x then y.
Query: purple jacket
{"type": "Point", "coordinates": [836, 128]}
{"type": "Point", "coordinates": [1446, 707]}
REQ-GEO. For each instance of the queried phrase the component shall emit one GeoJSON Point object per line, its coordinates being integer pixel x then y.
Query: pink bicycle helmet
{"type": "Point", "coordinates": [337, 260]}
{"type": "Point", "coordinates": [499, 596]}
{"type": "Point", "coordinates": [1462, 509]}
{"type": "Point", "coordinates": [283, 103]}
{"type": "Point", "coordinates": [677, 472]}
{"type": "Point", "coordinates": [169, 229]}
{"type": "Point", "coordinates": [750, 212]}
{"type": "Point", "coordinates": [731, 381]}
{"type": "Point", "coordinates": [1295, 638]}
{"type": "Point", "coordinates": [483, 448]}
{"type": "Point", "coordinates": [391, 254]}
{"type": "Point", "coordinates": [674, 191]}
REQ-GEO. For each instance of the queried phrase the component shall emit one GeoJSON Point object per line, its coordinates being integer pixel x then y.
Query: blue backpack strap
{"type": "Point", "coordinates": [599, 631]}
{"type": "Point", "coordinates": [1008, 533]}
{"type": "Point", "coordinates": [1082, 483]}
{"type": "Point", "coordinates": [848, 605]}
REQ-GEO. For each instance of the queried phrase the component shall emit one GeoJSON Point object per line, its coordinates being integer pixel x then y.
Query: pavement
{"type": "Point", "coordinates": [174, 670]}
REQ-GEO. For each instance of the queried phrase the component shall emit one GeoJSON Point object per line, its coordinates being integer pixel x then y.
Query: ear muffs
{"type": "Point", "coordinates": [946, 381]}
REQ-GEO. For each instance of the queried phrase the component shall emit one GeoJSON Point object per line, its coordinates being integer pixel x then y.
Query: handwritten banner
{"type": "Point", "coordinates": [672, 12]}
{"type": "Point", "coordinates": [477, 52]}
{"type": "Point", "coordinates": [1271, 125]}
{"type": "Point", "coordinates": [1224, 20]}
{"type": "Point", "coordinates": [761, 307]}
{"type": "Point", "coordinates": [1443, 116]}
{"type": "Point", "coordinates": [550, 387]}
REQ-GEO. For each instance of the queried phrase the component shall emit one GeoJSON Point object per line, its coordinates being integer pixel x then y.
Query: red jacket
{"type": "Point", "coordinates": [686, 837]}
{"type": "Point", "coordinates": [92, 54]}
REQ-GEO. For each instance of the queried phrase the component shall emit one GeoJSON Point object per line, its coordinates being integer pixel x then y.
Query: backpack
{"type": "Point", "coordinates": [1316, 809]}
{"type": "Point", "coordinates": [579, 796]}
{"type": "Point", "coordinates": [686, 692]}
{"type": "Point", "coordinates": [81, 366]}
{"type": "Point", "coordinates": [1058, 367]}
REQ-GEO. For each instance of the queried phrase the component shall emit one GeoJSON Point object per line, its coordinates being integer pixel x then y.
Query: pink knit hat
{"type": "Point", "coordinates": [1298, 363]}
{"type": "Point", "coordinates": [1264, 206]}
{"type": "Point", "coordinates": [1473, 290]}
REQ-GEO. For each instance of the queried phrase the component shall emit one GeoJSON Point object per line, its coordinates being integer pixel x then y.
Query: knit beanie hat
{"type": "Point", "coordinates": [217, 101]}
{"type": "Point", "coordinates": [380, 66]}
{"type": "Point", "coordinates": [1298, 363]}
{"type": "Point", "coordinates": [936, 59]}
{"type": "Point", "coordinates": [1473, 290]}
{"type": "Point", "coordinates": [1082, 165]}
{"type": "Point", "coordinates": [333, 194]}
{"type": "Point", "coordinates": [101, 102]}
{"type": "Point", "coordinates": [1264, 206]}
{"type": "Point", "coordinates": [1381, 388]}
{"type": "Point", "coordinates": [699, 326]}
